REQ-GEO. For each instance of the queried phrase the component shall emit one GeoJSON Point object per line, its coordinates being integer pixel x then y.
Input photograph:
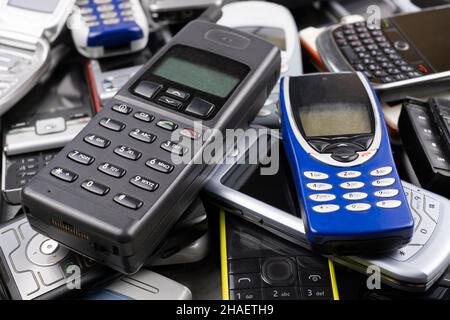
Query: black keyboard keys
{"type": "Point", "coordinates": [112, 124]}
{"type": "Point", "coordinates": [173, 147]}
{"type": "Point", "coordinates": [64, 174]}
{"type": "Point", "coordinates": [81, 157]}
{"type": "Point", "coordinates": [159, 165]}
{"type": "Point", "coordinates": [144, 116]}
{"type": "Point", "coordinates": [127, 153]}
{"type": "Point", "coordinates": [97, 141]}
{"type": "Point", "coordinates": [143, 136]}
{"type": "Point", "coordinates": [144, 183]}
{"type": "Point", "coordinates": [111, 170]}
{"type": "Point", "coordinates": [128, 201]}
{"type": "Point", "coordinates": [95, 187]}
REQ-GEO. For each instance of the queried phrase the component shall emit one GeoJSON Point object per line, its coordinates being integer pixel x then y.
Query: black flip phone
{"type": "Point", "coordinates": [114, 192]}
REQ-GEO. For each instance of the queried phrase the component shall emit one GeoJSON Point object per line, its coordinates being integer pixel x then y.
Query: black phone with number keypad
{"type": "Point", "coordinates": [113, 193]}
{"type": "Point", "coordinates": [423, 128]}
{"type": "Point", "coordinates": [261, 266]}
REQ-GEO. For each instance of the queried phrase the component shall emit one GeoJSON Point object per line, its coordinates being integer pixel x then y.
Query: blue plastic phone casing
{"type": "Point", "coordinates": [112, 35]}
{"type": "Point", "coordinates": [343, 225]}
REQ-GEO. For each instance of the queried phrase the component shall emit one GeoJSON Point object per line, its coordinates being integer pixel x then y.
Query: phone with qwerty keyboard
{"type": "Point", "coordinates": [401, 55]}
{"type": "Point", "coordinates": [115, 190]}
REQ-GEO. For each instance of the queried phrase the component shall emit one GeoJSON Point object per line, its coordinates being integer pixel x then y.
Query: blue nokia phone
{"type": "Point", "coordinates": [338, 148]}
{"type": "Point", "coordinates": [109, 27]}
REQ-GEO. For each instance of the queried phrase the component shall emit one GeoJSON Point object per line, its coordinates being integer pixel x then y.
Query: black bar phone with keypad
{"type": "Point", "coordinates": [423, 130]}
{"type": "Point", "coordinates": [114, 192]}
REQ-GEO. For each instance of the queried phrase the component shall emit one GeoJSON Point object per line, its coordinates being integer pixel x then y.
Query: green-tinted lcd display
{"type": "Point", "coordinates": [196, 76]}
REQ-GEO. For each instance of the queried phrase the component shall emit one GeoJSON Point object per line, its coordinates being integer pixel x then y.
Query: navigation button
{"type": "Point", "coordinates": [326, 208]}
{"type": "Point", "coordinates": [383, 171]}
{"type": "Point", "coordinates": [177, 93]}
{"type": "Point", "coordinates": [322, 197]}
{"type": "Point", "coordinates": [170, 102]}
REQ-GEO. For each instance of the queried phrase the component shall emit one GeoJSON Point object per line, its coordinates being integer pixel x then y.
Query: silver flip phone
{"type": "Point", "coordinates": [414, 267]}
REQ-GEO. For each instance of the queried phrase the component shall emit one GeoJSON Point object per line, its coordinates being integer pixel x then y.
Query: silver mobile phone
{"type": "Point", "coordinates": [269, 201]}
{"type": "Point", "coordinates": [25, 46]}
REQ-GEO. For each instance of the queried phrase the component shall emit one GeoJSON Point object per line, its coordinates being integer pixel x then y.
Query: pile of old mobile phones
{"type": "Point", "coordinates": [264, 194]}
{"type": "Point", "coordinates": [424, 130]}
{"type": "Point", "coordinates": [401, 55]}
{"type": "Point", "coordinates": [25, 47]}
{"type": "Point", "coordinates": [339, 152]}
{"type": "Point", "coordinates": [257, 265]}
{"type": "Point", "coordinates": [276, 24]}
{"type": "Point", "coordinates": [41, 124]}
{"type": "Point", "coordinates": [115, 191]}
{"type": "Point", "coordinates": [109, 28]}
{"type": "Point", "coordinates": [33, 266]}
